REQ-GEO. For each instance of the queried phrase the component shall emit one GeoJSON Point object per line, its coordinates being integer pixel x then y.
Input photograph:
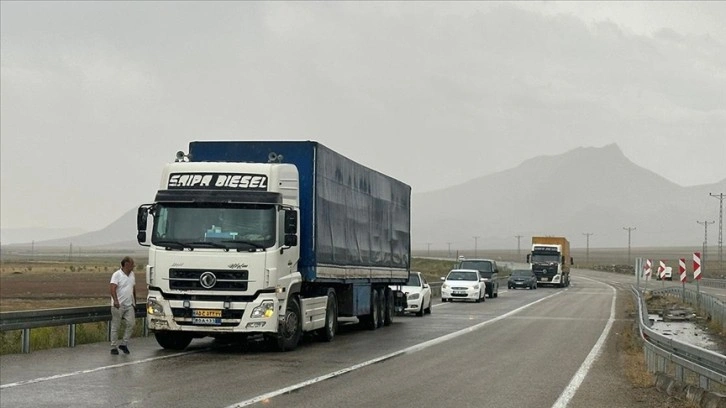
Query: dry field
{"type": "Point", "coordinates": [54, 283]}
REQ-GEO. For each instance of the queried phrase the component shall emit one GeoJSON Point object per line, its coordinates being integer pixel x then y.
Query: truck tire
{"type": "Point", "coordinates": [290, 331]}
{"type": "Point", "coordinates": [327, 333]}
{"type": "Point", "coordinates": [172, 340]}
{"type": "Point", "coordinates": [370, 321]}
{"type": "Point", "coordinates": [381, 307]}
{"type": "Point", "coordinates": [390, 307]}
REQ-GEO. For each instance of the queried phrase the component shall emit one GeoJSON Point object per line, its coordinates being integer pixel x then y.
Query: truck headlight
{"type": "Point", "coordinates": [266, 309]}
{"type": "Point", "coordinates": [153, 307]}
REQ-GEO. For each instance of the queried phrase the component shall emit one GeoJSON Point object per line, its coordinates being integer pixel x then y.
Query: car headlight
{"type": "Point", "coordinates": [444, 286]}
{"type": "Point", "coordinates": [413, 296]}
{"type": "Point", "coordinates": [476, 286]}
{"type": "Point", "coordinates": [266, 309]}
{"type": "Point", "coordinates": [153, 307]}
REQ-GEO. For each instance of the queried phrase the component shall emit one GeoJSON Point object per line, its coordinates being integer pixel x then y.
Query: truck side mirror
{"type": "Point", "coordinates": [290, 240]}
{"type": "Point", "coordinates": [572, 261]}
{"type": "Point", "coordinates": [142, 217]}
{"type": "Point", "coordinates": [290, 222]}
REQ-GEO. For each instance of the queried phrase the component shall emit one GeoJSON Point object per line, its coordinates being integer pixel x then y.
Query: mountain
{"type": "Point", "coordinates": [120, 234]}
{"type": "Point", "coordinates": [21, 235]}
{"type": "Point", "coordinates": [585, 190]}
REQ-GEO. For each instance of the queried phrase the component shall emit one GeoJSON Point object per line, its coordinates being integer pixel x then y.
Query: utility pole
{"type": "Point", "coordinates": [519, 237]}
{"type": "Point", "coordinates": [705, 243]}
{"type": "Point", "coordinates": [629, 229]}
{"type": "Point", "coordinates": [720, 197]}
{"type": "Point", "coordinates": [475, 244]}
{"type": "Point", "coordinates": [587, 251]}
{"type": "Point", "coordinates": [70, 252]}
{"type": "Point", "coordinates": [449, 244]}
{"type": "Point", "coordinates": [428, 249]}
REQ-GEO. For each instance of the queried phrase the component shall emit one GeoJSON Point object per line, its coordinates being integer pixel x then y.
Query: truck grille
{"type": "Point", "coordinates": [191, 279]}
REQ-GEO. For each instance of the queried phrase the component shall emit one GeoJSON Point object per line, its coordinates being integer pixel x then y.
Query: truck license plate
{"type": "Point", "coordinates": [206, 320]}
{"type": "Point", "coordinates": [206, 313]}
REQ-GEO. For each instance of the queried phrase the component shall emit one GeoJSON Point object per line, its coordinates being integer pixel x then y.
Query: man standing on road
{"type": "Point", "coordinates": [123, 304]}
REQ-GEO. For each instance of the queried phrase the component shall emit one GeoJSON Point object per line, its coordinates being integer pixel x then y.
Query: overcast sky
{"type": "Point", "coordinates": [96, 96]}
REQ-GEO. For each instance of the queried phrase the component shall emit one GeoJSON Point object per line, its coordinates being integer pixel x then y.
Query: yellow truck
{"type": "Point", "coordinates": [550, 260]}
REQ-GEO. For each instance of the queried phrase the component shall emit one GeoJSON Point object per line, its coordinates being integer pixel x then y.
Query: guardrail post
{"type": "Point", "coordinates": [25, 339]}
{"type": "Point", "coordinates": [71, 335]}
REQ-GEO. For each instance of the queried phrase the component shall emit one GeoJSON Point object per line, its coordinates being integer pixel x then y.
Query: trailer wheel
{"type": "Point", "coordinates": [290, 330]}
{"type": "Point", "coordinates": [381, 307]}
{"type": "Point", "coordinates": [173, 340]}
{"type": "Point", "coordinates": [390, 307]}
{"type": "Point", "coordinates": [370, 321]}
{"type": "Point", "coordinates": [327, 333]}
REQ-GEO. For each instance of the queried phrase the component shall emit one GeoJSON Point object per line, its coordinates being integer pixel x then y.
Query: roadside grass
{"type": "Point", "coordinates": [631, 345]}
{"type": "Point", "coordinates": [44, 338]}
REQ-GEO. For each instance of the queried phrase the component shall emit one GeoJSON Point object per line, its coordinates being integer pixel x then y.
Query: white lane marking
{"type": "Point", "coordinates": [411, 349]}
{"type": "Point", "coordinates": [93, 370]}
{"type": "Point", "coordinates": [580, 375]}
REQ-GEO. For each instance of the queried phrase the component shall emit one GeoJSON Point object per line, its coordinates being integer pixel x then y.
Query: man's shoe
{"type": "Point", "coordinates": [114, 351]}
{"type": "Point", "coordinates": [124, 349]}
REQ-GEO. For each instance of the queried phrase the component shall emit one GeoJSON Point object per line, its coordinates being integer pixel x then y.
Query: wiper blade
{"type": "Point", "coordinates": [250, 243]}
{"type": "Point", "coordinates": [172, 244]}
{"type": "Point", "coordinates": [210, 244]}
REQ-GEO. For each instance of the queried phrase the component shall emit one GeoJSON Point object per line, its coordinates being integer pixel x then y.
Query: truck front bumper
{"type": "Point", "coordinates": [258, 316]}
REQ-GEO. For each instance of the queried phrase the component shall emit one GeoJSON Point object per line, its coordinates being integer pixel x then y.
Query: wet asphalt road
{"type": "Point", "coordinates": [526, 348]}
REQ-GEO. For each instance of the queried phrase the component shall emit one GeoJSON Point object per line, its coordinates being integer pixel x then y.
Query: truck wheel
{"type": "Point", "coordinates": [381, 307]}
{"type": "Point", "coordinates": [327, 333]}
{"type": "Point", "coordinates": [291, 329]}
{"type": "Point", "coordinates": [173, 340]}
{"type": "Point", "coordinates": [370, 321]}
{"type": "Point", "coordinates": [390, 307]}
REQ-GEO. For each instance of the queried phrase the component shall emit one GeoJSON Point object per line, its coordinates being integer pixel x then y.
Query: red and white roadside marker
{"type": "Point", "coordinates": [661, 270]}
{"type": "Point", "coordinates": [697, 266]}
{"type": "Point", "coordinates": [682, 269]}
{"type": "Point", "coordinates": [648, 268]}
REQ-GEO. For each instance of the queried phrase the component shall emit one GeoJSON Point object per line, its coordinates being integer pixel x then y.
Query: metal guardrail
{"type": "Point", "coordinates": [26, 320]}
{"type": "Point", "coordinates": [665, 354]}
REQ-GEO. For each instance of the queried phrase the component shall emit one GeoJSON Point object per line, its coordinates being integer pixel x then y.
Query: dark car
{"type": "Point", "coordinates": [488, 270]}
{"type": "Point", "coordinates": [522, 278]}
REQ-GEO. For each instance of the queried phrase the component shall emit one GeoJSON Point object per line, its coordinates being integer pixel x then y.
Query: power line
{"type": "Point", "coordinates": [720, 197]}
{"type": "Point", "coordinates": [629, 229]}
{"type": "Point", "coordinates": [587, 251]}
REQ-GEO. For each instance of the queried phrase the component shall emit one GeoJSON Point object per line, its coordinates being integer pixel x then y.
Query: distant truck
{"type": "Point", "coordinates": [272, 239]}
{"type": "Point", "coordinates": [550, 260]}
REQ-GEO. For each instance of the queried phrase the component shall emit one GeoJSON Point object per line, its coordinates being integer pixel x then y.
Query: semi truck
{"type": "Point", "coordinates": [272, 239]}
{"type": "Point", "coordinates": [550, 260]}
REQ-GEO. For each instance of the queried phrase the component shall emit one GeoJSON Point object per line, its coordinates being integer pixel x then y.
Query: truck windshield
{"type": "Point", "coordinates": [214, 226]}
{"type": "Point", "coordinates": [545, 258]}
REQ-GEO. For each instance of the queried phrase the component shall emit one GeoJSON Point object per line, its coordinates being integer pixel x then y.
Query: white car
{"type": "Point", "coordinates": [418, 294]}
{"type": "Point", "coordinates": [464, 284]}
